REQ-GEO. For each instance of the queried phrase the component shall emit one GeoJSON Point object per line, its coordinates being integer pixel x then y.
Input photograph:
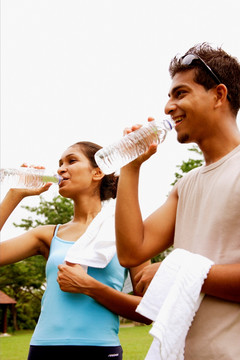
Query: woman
{"type": "Point", "coordinates": [80, 305]}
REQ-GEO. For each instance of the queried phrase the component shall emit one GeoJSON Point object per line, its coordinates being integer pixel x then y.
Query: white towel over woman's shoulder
{"type": "Point", "coordinates": [97, 246]}
{"type": "Point", "coordinates": [171, 300]}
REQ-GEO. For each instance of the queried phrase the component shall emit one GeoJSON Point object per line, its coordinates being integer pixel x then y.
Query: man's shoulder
{"type": "Point", "coordinates": [190, 174]}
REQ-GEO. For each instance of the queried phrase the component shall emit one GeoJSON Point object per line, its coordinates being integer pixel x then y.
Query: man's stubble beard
{"type": "Point", "coordinates": [183, 138]}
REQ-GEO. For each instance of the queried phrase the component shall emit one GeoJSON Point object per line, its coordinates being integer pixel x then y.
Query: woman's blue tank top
{"type": "Point", "coordinates": [76, 319]}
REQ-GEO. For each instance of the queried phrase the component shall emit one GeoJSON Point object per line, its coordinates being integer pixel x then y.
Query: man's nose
{"type": "Point", "coordinates": [169, 107]}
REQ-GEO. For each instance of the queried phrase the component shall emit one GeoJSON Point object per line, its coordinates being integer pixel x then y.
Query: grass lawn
{"type": "Point", "coordinates": [15, 347]}
{"type": "Point", "coordinates": [135, 342]}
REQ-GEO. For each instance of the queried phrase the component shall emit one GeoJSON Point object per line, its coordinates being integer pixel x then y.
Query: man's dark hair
{"type": "Point", "coordinates": [225, 66]}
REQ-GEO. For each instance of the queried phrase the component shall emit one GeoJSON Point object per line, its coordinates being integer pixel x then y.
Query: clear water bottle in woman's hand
{"type": "Point", "coordinates": [30, 177]}
{"type": "Point", "coordinates": [129, 147]}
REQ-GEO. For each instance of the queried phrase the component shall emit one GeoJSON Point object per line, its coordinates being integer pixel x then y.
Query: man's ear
{"type": "Point", "coordinates": [97, 174]}
{"type": "Point", "coordinates": [221, 94]}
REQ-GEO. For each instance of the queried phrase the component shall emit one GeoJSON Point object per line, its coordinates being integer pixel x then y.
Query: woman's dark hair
{"type": "Point", "coordinates": [225, 66]}
{"type": "Point", "coordinates": [108, 187]}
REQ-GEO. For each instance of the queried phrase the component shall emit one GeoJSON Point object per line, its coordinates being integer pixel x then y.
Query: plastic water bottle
{"type": "Point", "coordinates": [129, 147]}
{"type": "Point", "coordinates": [28, 177]}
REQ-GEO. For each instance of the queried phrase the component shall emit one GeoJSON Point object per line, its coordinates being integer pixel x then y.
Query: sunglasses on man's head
{"type": "Point", "coordinates": [190, 58]}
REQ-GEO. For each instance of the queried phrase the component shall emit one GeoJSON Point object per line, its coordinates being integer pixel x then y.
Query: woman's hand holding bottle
{"type": "Point", "coordinates": [26, 191]}
{"type": "Point", "coordinates": [14, 197]}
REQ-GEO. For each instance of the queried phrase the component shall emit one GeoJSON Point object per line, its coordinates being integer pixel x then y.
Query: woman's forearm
{"type": "Point", "coordinates": [9, 203]}
{"type": "Point", "coordinates": [14, 197]}
{"type": "Point", "coordinates": [118, 302]}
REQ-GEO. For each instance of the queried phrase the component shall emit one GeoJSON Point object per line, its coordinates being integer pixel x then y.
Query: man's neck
{"type": "Point", "coordinates": [226, 137]}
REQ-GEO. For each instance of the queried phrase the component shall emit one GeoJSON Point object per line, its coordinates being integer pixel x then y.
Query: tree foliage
{"type": "Point", "coordinates": [189, 165]}
{"type": "Point", "coordinates": [57, 211]}
{"type": "Point", "coordinates": [24, 281]}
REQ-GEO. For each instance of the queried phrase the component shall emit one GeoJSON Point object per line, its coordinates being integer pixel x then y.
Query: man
{"type": "Point", "coordinates": [202, 212]}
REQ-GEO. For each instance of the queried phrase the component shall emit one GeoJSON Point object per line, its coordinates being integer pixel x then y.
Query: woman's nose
{"type": "Point", "coordinates": [61, 169]}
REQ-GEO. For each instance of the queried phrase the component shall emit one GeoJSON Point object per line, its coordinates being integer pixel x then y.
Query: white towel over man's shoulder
{"type": "Point", "coordinates": [97, 246]}
{"type": "Point", "coordinates": [171, 300]}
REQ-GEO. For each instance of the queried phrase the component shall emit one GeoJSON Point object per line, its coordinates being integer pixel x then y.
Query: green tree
{"type": "Point", "coordinates": [57, 211]}
{"type": "Point", "coordinates": [25, 280]}
{"type": "Point", "coordinates": [189, 165]}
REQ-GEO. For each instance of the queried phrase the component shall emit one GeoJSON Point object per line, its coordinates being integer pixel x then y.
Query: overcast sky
{"type": "Point", "coordinates": [76, 70]}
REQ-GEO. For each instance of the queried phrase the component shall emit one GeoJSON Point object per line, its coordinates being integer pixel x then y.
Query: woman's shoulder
{"type": "Point", "coordinates": [45, 233]}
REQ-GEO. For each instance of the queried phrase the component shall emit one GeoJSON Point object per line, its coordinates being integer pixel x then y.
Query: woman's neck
{"type": "Point", "coordinates": [86, 211]}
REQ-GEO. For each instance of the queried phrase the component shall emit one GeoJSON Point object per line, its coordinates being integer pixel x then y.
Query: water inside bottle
{"type": "Point", "coordinates": [27, 177]}
{"type": "Point", "coordinates": [127, 149]}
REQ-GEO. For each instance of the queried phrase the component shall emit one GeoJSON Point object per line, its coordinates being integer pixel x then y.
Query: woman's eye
{"type": "Point", "coordinates": [71, 161]}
